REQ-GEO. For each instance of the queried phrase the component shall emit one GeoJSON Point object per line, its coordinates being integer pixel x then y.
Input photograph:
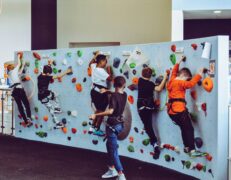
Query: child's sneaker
{"type": "Point", "coordinates": [29, 123]}
{"type": "Point", "coordinates": [57, 110]}
{"type": "Point", "coordinates": [121, 177]}
{"type": "Point", "coordinates": [186, 150]}
{"type": "Point", "coordinates": [91, 130]}
{"type": "Point", "coordinates": [59, 125]}
{"type": "Point", "coordinates": [99, 133]}
{"type": "Point", "coordinates": [195, 153]}
{"type": "Point", "coordinates": [110, 173]}
{"type": "Point", "coordinates": [156, 152]}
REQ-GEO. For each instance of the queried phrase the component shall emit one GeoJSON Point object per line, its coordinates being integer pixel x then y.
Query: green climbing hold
{"type": "Point", "coordinates": [204, 168]}
{"type": "Point", "coordinates": [153, 72]}
{"type": "Point", "coordinates": [167, 157]}
{"type": "Point", "coordinates": [193, 116]}
{"type": "Point", "coordinates": [41, 134]}
{"type": "Point", "coordinates": [173, 59]}
{"type": "Point", "coordinates": [36, 109]}
{"type": "Point", "coordinates": [121, 70]}
{"type": "Point", "coordinates": [84, 123]}
{"type": "Point", "coordinates": [146, 142]}
{"type": "Point", "coordinates": [27, 64]}
{"type": "Point", "coordinates": [68, 113]}
{"type": "Point", "coordinates": [37, 63]}
{"type": "Point", "coordinates": [187, 164]}
{"type": "Point", "coordinates": [80, 53]}
{"type": "Point", "coordinates": [69, 54]}
{"type": "Point", "coordinates": [55, 71]}
{"type": "Point", "coordinates": [132, 65]}
{"type": "Point", "coordinates": [54, 53]}
{"type": "Point", "coordinates": [131, 148]}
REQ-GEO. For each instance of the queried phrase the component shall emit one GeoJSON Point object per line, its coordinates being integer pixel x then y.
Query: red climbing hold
{"type": "Point", "coordinates": [209, 157]}
{"type": "Point", "coordinates": [194, 46]}
{"type": "Point", "coordinates": [36, 70]}
{"type": "Point", "coordinates": [168, 72]}
{"type": "Point", "coordinates": [73, 130]}
{"type": "Point", "coordinates": [193, 94]}
{"type": "Point", "coordinates": [173, 48]}
{"type": "Point", "coordinates": [73, 80]}
{"type": "Point", "coordinates": [36, 117]}
{"type": "Point", "coordinates": [84, 131]}
{"type": "Point", "coordinates": [59, 79]}
{"type": "Point", "coordinates": [131, 139]}
{"type": "Point", "coordinates": [135, 80]}
{"type": "Point", "coordinates": [45, 118]}
{"type": "Point", "coordinates": [130, 99]}
{"type": "Point", "coordinates": [204, 108]}
{"type": "Point", "coordinates": [199, 166]}
{"type": "Point", "coordinates": [36, 55]}
{"type": "Point", "coordinates": [36, 126]}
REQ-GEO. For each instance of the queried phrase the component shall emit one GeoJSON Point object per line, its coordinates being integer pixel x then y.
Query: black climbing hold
{"type": "Point", "coordinates": [89, 123]}
{"type": "Point", "coordinates": [60, 70]}
{"type": "Point", "coordinates": [173, 159]}
{"type": "Point", "coordinates": [69, 138]}
{"type": "Point", "coordinates": [198, 142]}
{"type": "Point", "coordinates": [199, 83]}
{"type": "Point", "coordinates": [134, 71]}
{"type": "Point", "coordinates": [121, 71]}
{"type": "Point", "coordinates": [95, 142]}
{"type": "Point", "coordinates": [116, 62]}
{"type": "Point", "coordinates": [167, 158]}
{"type": "Point", "coordinates": [126, 74]}
{"type": "Point", "coordinates": [156, 153]}
{"type": "Point", "coordinates": [145, 65]}
{"type": "Point", "coordinates": [84, 79]}
{"type": "Point", "coordinates": [20, 131]}
{"type": "Point", "coordinates": [136, 129]}
{"type": "Point", "coordinates": [68, 113]}
{"type": "Point", "coordinates": [41, 126]}
{"type": "Point", "coordinates": [64, 121]}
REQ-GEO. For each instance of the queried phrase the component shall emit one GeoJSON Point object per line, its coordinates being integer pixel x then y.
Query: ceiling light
{"type": "Point", "coordinates": [216, 12]}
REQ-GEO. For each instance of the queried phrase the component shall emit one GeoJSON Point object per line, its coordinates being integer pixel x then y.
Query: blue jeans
{"type": "Point", "coordinates": [112, 147]}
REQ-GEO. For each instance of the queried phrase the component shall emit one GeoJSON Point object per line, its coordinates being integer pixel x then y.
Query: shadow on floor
{"type": "Point", "coordinates": [28, 160]}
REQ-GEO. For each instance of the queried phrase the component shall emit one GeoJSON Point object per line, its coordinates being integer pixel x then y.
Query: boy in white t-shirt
{"type": "Point", "coordinates": [99, 97]}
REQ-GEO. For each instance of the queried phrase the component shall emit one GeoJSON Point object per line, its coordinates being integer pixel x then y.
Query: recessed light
{"type": "Point", "coordinates": [216, 12]}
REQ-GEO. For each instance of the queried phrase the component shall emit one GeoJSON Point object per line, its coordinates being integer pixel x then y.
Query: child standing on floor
{"type": "Point", "coordinates": [114, 126]}
{"type": "Point", "coordinates": [146, 106]}
{"type": "Point", "coordinates": [180, 81]}
{"type": "Point", "coordinates": [18, 92]}
{"type": "Point", "coordinates": [99, 97]}
{"type": "Point", "coordinates": [46, 96]}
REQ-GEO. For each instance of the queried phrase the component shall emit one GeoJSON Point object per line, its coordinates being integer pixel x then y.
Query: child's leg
{"type": "Point", "coordinates": [50, 108]}
{"type": "Point", "coordinates": [26, 103]}
{"type": "Point", "coordinates": [112, 148]}
{"type": "Point", "coordinates": [55, 100]}
{"type": "Point", "coordinates": [18, 101]}
{"type": "Point", "coordinates": [146, 117]}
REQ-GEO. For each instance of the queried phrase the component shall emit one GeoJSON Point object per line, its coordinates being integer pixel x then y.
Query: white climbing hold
{"type": "Point", "coordinates": [127, 53]}
{"type": "Point", "coordinates": [64, 62]}
{"type": "Point", "coordinates": [74, 113]}
{"type": "Point", "coordinates": [80, 61]}
{"type": "Point", "coordinates": [33, 117]}
{"type": "Point", "coordinates": [177, 149]}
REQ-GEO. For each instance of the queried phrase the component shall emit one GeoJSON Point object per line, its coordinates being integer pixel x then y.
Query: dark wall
{"type": "Point", "coordinates": [197, 28]}
{"type": "Point", "coordinates": [44, 24]}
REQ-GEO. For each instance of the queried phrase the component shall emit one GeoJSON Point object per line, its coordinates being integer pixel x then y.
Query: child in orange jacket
{"type": "Point", "coordinates": [180, 81]}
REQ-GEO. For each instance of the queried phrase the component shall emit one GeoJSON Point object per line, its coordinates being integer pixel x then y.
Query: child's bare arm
{"type": "Point", "coordinates": [105, 113]}
{"type": "Point", "coordinates": [193, 81]}
{"type": "Point", "coordinates": [20, 65]}
{"type": "Point", "coordinates": [161, 86]}
{"type": "Point", "coordinates": [62, 74]}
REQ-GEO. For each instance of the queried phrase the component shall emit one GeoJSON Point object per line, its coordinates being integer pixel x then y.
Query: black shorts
{"type": "Point", "coordinates": [100, 100]}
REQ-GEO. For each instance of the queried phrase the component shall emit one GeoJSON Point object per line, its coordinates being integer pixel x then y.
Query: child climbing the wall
{"type": "Point", "coordinates": [146, 106]}
{"type": "Point", "coordinates": [180, 81]}
{"type": "Point", "coordinates": [46, 96]}
{"type": "Point", "coordinates": [114, 127]}
{"type": "Point", "coordinates": [99, 96]}
{"type": "Point", "coordinates": [18, 92]}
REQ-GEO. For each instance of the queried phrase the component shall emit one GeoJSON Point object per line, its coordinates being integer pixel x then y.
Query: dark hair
{"type": "Point", "coordinates": [186, 72]}
{"type": "Point", "coordinates": [47, 69]}
{"type": "Point", "coordinates": [100, 58]}
{"type": "Point", "coordinates": [147, 72]}
{"type": "Point", "coordinates": [119, 81]}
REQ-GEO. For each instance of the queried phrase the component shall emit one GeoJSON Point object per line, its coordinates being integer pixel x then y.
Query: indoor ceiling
{"type": "Point", "coordinates": [207, 14]}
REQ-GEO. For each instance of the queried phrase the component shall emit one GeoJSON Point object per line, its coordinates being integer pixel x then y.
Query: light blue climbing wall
{"type": "Point", "coordinates": [212, 128]}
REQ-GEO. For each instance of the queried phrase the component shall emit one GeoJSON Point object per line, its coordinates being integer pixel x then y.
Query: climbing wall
{"type": "Point", "coordinates": [209, 110]}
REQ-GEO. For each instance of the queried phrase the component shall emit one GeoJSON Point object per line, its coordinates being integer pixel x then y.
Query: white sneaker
{"type": "Point", "coordinates": [91, 130]}
{"type": "Point", "coordinates": [121, 177]}
{"type": "Point", "coordinates": [110, 173]}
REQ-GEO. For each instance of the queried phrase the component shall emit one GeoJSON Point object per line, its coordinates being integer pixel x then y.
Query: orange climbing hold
{"type": "Point", "coordinates": [27, 78]}
{"type": "Point", "coordinates": [135, 80]}
{"type": "Point", "coordinates": [45, 118]}
{"type": "Point", "coordinates": [89, 71]}
{"type": "Point", "coordinates": [36, 55]}
{"type": "Point", "coordinates": [193, 94]}
{"type": "Point", "coordinates": [130, 99]}
{"type": "Point", "coordinates": [36, 70]}
{"type": "Point", "coordinates": [60, 79]}
{"type": "Point", "coordinates": [78, 87]}
{"type": "Point", "coordinates": [207, 84]}
{"type": "Point", "coordinates": [64, 129]}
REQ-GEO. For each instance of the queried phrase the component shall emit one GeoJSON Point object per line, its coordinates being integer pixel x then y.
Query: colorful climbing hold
{"type": "Point", "coordinates": [194, 46]}
{"type": "Point", "coordinates": [36, 109]}
{"type": "Point", "coordinates": [36, 55]}
{"type": "Point", "coordinates": [55, 71]}
{"type": "Point", "coordinates": [131, 139]}
{"type": "Point", "coordinates": [45, 118]}
{"type": "Point", "coordinates": [131, 148]}
{"type": "Point", "coordinates": [199, 167]}
{"type": "Point", "coordinates": [73, 80]}
{"type": "Point", "coordinates": [20, 54]}
{"type": "Point", "coordinates": [68, 113]}
{"type": "Point", "coordinates": [64, 62]}
{"type": "Point", "coordinates": [167, 157]}
{"type": "Point", "coordinates": [134, 72]}
{"type": "Point", "coordinates": [135, 80]}
{"type": "Point", "coordinates": [146, 142]}
{"type": "Point", "coordinates": [116, 62]}
{"type": "Point", "coordinates": [136, 129]}
{"type": "Point", "coordinates": [95, 142]}
{"type": "Point", "coordinates": [59, 79]}
{"type": "Point", "coordinates": [74, 130]}
{"type": "Point", "coordinates": [126, 74]}
{"type": "Point", "coordinates": [41, 134]}
{"type": "Point", "coordinates": [69, 54]}
{"type": "Point", "coordinates": [78, 87]}
{"type": "Point", "coordinates": [209, 157]}
{"type": "Point", "coordinates": [64, 129]}
{"type": "Point", "coordinates": [27, 64]}
{"type": "Point", "coordinates": [130, 99]}
{"type": "Point", "coordinates": [36, 126]}
{"type": "Point", "coordinates": [199, 83]}
{"type": "Point", "coordinates": [173, 59]}
{"type": "Point", "coordinates": [69, 138]}
{"type": "Point", "coordinates": [142, 151]}
{"type": "Point", "coordinates": [132, 65]}
{"type": "Point", "coordinates": [204, 108]}
{"type": "Point", "coordinates": [79, 53]}
{"type": "Point", "coordinates": [84, 131]}
{"type": "Point", "coordinates": [64, 121]}
{"type": "Point", "coordinates": [207, 84]}
{"type": "Point", "coordinates": [84, 79]}
{"type": "Point", "coordinates": [193, 94]}
{"type": "Point", "coordinates": [188, 164]}
{"type": "Point", "coordinates": [173, 48]}
{"type": "Point", "coordinates": [54, 54]}
{"type": "Point", "coordinates": [36, 70]}
{"type": "Point", "coordinates": [84, 123]}
{"type": "Point", "coordinates": [89, 71]}
{"type": "Point", "coordinates": [74, 113]}
{"type": "Point", "coordinates": [198, 142]}
{"type": "Point", "coordinates": [211, 172]}
{"type": "Point", "coordinates": [60, 70]}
